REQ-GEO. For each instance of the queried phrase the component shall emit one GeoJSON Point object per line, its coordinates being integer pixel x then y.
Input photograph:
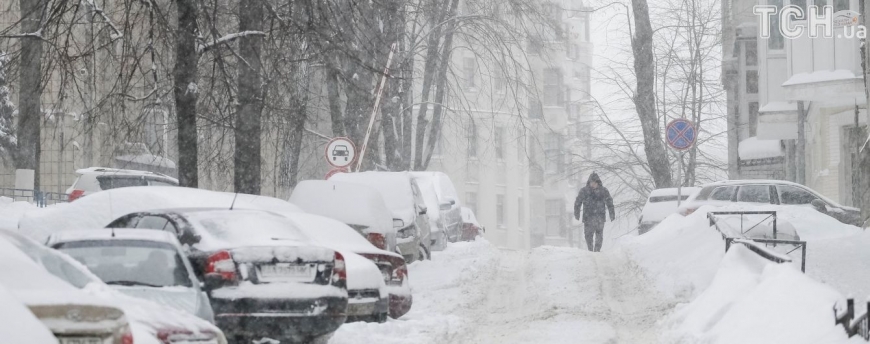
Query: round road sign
{"type": "Point", "coordinates": [340, 152]}
{"type": "Point", "coordinates": [681, 134]}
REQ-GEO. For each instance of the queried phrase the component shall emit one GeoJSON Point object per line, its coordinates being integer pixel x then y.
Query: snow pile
{"type": "Point", "coordinates": [680, 255]}
{"type": "Point", "coordinates": [752, 300]}
{"type": "Point", "coordinates": [754, 148]}
{"type": "Point", "coordinates": [395, 187]}
{"type": "Point", "coordinates": [101, 208]}
{"type": "Point", "coordinates": [447, 286]}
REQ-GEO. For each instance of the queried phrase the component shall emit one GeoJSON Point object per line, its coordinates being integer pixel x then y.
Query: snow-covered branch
{"type": "Point", "coordinates": [115, 32]}
{"type": "Point", "coordinates": [228, 38]}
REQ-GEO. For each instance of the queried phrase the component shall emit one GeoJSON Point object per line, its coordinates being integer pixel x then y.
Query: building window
{"type": "Point", "coordinates": [469, 68]}
{"type": "Point", "coordinates": [471, 201]}
{"type": "Point", "coordinates": [471, 138]}
{"type": "Point", "coordinates": [751, 52]}
{"type": "Point", "coordinates": [534, 46]}
{"type": "Point", "coordinates": [535, 108]}
{"type": "Point", "coordinates": [536, 175]}
{"type": "Point", "coordinates": [552, 87]}
{"type": "Point", "coordinates": [499, 210]}
{"type": "Point", "coordinates": [752, 81]}
{"type": "Point", "coordinates": [554, 216]}
{"type": "Point", "coordinates": [521, 212]}
{"type": "Point", "coordinates": [841, 5]}
{"type": "Point", "coordinates": [776, 41]}
{"type": "Point", "coordinates": [753, 119]}
{"type": "Point", "coordinates": [498, 84]}
{"type": "Point", "coordinates": [499, 143]}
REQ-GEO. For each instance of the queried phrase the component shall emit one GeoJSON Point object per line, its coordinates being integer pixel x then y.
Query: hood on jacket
{"type": "Point", "coordinates": [594, 178]}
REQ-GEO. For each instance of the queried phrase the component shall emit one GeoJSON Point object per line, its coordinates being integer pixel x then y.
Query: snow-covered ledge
{"type": "Point", "coordinates": [753, 148]}
{"type": "Point", "coordinates": [824, 85]}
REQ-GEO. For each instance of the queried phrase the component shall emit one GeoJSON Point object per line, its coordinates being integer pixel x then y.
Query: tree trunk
{"type": "Point", "coordinates": [297, 130]}
{"type": "Point", "coordinates": [247, 129]}
{"type": "Point", "coordinates": [429, 70]}
{"type": "Point", "coordinates": [30, 94]}
{"type": "Point", "coordinates": [644, 68]}
{"type": "Point", "coordinates": [441, 89]}
{"type": "Point", "coordinates": [185, 90]}
{"type": "Point", "coordinates": [334, 99]}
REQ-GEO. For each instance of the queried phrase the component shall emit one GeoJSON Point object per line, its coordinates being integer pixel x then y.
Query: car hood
{"type": "Point", "coordinates": [181, 298]}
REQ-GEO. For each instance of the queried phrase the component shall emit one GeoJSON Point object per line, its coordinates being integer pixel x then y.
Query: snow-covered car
{"type": "Point", "coordinates": [390, 270]}
{"type": "Point", "coordinates": [19, 325]}
{"type": "Point", "coordinates": [358, 206]}
{"type": "Point", "coordinates": [769, 192]}
{"type": "Point", "coordinates": [470, 227]}
{"type": "Point", "coordinates": [95, 179]}
{"type": "Point", "coordinates": [148, 322]}
{"type": "Point", "coordinates": [442, 196]}
{"type": "Point", "coordinates": [97, 210]}
{"type": "Point", "coordinates": [68, 312]}
{"type": "Point", "coordinates": [660, 204]}
{"type": "Point", "coordinates": [404, 199]}
{"type": "Point", "coordinates": [141, 263]}
{"type": "Point", "coordinates": [264, 277]}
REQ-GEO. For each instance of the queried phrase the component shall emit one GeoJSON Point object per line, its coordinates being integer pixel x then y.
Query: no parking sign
{"type": "Point", "coordinates": [681, 134]}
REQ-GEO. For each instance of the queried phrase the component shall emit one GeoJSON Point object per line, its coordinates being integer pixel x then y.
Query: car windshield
{"type": "Point", "coordinates": [130, 262]}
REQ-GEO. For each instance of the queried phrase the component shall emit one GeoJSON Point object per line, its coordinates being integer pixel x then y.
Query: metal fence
{"type": "Point", "coordinates": [854, 325]}
{"type": "Point", "coordinates": [39, 198]}
{"type": "Point", "coordinates": [759, 245]}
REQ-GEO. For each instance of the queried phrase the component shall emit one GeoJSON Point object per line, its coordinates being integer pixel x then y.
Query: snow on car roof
{"type": "Point", "coordinates": [101, 208]}
{"type": "Point", "coordinates": [688, 190]}
{"type": "Point", "coordinates": [109, 170]}
{"type": "Point", "coordinates": [442, 184]}
{"type": "Point", "coordinates": [224, 228]}
{"type": "Point", "coordinates": [395, 187]}
{"type": "Point", "coordinates": [771, 181]}
{"type": "Point", "coordinates": [114, 234]}
{"type": "Point", "coordinates": [330, 233]}
{"type": "Point", "coordinates": [350, 203]}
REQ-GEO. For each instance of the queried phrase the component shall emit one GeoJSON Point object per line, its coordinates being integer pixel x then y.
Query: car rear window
{"type": "Point", "coordinates": [723, 193]}
{"type": "Point", "coordinates": [130, 262]}
{"type": "Point", "coordinates": [109, 182]}
{"type": "Point", "coordinates": [242, 227]}
{"type": "Point", "coordinates": [754, 194]}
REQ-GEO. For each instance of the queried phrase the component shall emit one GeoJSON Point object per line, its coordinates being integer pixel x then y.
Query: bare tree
{"type": "Point", "coordinates": [186, 91]}
{"type": "Point", "coordinates": [247, 128]}
{"type": "Point", "coordinates": [30, 91]}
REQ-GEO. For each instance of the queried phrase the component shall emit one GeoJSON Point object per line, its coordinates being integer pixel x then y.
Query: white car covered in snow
{"type": "Point", "coordinates": [405, 200]}
{"type": "Point", "coordinates": [756, 192]}
{"type": "Point", "coordinates": [19, 325]}
{"type": "Point", "coordinates": [95, 179]}
{"type": "Point", "coordinates": [147, 264]}
{"type": "Point", "coordinates": [390, 272]}
{"type": "Point", "coordinates": [44, 278]}
{"type": "Point", "coordinates": [439, 193]}
{"type": "Point", "coordinates": [358, 206]}
{"type": "Point", "coordinates": [660, 204]}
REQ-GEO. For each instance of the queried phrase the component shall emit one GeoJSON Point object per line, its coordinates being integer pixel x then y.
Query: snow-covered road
{"type": "Point", "coordinates": [476, 293]}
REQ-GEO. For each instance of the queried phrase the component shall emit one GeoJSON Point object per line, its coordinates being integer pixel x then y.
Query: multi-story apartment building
{"type": "Point", "coordinates": [796, 107]}
{"type": "Point", "coordinates": [510, 148]}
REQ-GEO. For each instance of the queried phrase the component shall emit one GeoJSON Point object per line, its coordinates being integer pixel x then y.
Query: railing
{"type": "Point", "coordinates": [753, 244]}
{"type": "Point", "coordinates": [40, 198]}
{"type": "Point", "coordinates": [854, 326]}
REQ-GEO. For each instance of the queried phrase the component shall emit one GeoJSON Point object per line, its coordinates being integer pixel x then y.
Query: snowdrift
{"type": "Point", "coordinates": [740, 297]}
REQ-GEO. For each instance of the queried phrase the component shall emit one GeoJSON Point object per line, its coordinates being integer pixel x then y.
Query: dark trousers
{"type": "Point", "coordinates": [594, 231]}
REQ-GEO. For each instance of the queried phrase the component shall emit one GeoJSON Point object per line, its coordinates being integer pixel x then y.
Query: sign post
{"type": "Point", "coordinates": [681, 135]}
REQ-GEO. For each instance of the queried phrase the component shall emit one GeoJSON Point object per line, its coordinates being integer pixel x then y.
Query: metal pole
{"type": "Point", "coordinates": [680, 180]}
{"type": "Point", "coordinates": [380, 91]}
{"type": "Point", "coordinates": [804, 259]}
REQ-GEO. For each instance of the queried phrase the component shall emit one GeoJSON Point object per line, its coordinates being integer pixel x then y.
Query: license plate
{"type": "Point", "coordinates": [287, 271]}
{"type": "Point", "coordinates": [81, 340]}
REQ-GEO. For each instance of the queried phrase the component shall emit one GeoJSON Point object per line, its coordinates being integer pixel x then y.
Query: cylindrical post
{"type": "Point", "coordinates": [804, 258]}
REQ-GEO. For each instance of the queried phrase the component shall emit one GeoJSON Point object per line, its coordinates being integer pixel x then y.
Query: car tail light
{"type": "Point", "coordinates": [400, 273]}
{"type": "Point", "coordinates": [170, 336]}
{"type": "Point", "coordinates": [377, 239]}
{"type": "Point", "coordinates": [221, 263]}
{"type": "Point", "coordinates": [339, 272]}
{"type": "Point", "coordinates": [75, 194]}
{"type": "Point", "coordinates": [127, 337]}
{"type": "Point", "coordinates": [689, 211]}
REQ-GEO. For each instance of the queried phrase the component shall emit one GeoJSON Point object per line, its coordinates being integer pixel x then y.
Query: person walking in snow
{"type": "Point", "coordinates": [594, 200]}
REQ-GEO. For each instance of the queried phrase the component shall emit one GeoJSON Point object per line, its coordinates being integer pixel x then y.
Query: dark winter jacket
{"type": "Point", "coordinates": [594, 202]}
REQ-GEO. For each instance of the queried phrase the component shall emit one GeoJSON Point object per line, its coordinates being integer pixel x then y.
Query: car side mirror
{"type": "Point", "coordinates": [423, 210]}
{"type": "Point", "coordinates": [452, 202]}
{"type": "Point", "coordinates": [819, 205]}
{"type": "Point", "coordinates": [398, 223]}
